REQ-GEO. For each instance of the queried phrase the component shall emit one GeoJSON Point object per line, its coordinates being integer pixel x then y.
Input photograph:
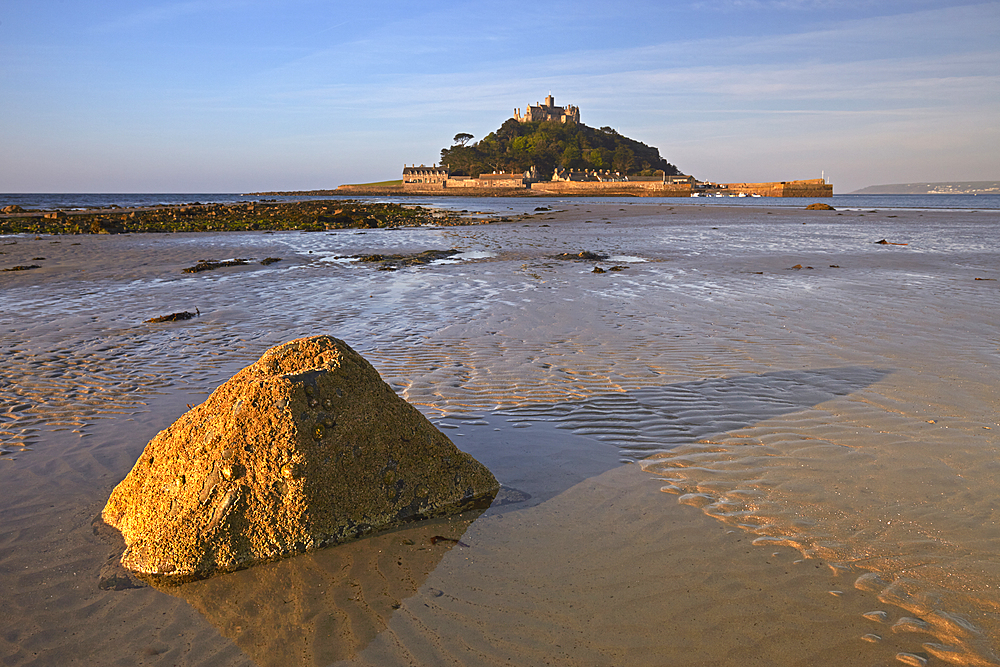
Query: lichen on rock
{"type": "Point", "coordinates": [305, 448]}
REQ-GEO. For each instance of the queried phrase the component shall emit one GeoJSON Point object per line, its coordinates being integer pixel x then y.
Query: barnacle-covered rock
{"type": "Point", "coordinates": [305, 448]}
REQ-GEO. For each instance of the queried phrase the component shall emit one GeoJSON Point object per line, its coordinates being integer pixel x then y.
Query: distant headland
{"type": "Point", "coordinates": [923, 188]}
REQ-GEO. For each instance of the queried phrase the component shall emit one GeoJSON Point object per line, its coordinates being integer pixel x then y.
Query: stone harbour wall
{"type": "Point", "coordinates": [642, 188]}
{"type": "Point", "coordinates": [816, 187]}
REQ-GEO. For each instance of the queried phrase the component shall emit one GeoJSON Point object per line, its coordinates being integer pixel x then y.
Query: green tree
{"type": "Point", "coordinates": [516, 147]}
{"type": "Point", "coordinates": [624, 159]}
{"type": "Point", "coordinates": [462, 138]}
{"type": "Point", "coordinates": [572, 157]}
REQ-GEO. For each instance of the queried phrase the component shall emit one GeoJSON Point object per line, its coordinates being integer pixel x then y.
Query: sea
{"type": "Point", "coordinates": [78, 201]}
{"type": "Point", "coordinates": [820, 387]}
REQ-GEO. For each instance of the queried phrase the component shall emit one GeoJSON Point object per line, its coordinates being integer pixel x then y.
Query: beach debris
{"type": "Point", "coordinates": [798, 267]}
{"type": "Point", "coordinates": [305, 448]}
{"type": "Point", "coordinates": [598, 269]}
{"type": "Point", "coordinates": [210, 265]}
{"type": "Point", "coordinates": [22, 267]}
{"type": "Point", "coordinates": [820, 206]}
{"type": "Point", "coordinates": [267, 261]}
{"type": "Point", "coordinates": [13, 208]}
{"type": "Point", "coordinates": [393, 262]}
{"type": "Point", "coordinates": [884, 242]}
{"type": "Point", "coordinates": [172, 317]}
{"type": "Point", "coordinates": [586, 255]}
{"type": "Point", "coordinates": [617, 267]}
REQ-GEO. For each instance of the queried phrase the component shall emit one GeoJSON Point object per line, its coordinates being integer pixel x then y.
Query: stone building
{"type": "Point", "coordinates": [549, 111]}
{"type": "Point", "coordinates": [424, 177]}
{"type": "Point", "coordinates": [586, 175]}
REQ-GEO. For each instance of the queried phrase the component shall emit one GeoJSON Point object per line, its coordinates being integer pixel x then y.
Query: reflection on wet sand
{"type": "Point", "coordinates": [324, 606]}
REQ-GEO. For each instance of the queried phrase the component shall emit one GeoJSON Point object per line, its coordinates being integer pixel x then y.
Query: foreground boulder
{"type": "Point", "coordinates": [306, 447]}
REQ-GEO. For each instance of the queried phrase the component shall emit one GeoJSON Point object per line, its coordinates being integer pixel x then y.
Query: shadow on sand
{"type": "Point", "coordinates": [544, 449]}
{"type": "Point", "coordinates": [328, 605]}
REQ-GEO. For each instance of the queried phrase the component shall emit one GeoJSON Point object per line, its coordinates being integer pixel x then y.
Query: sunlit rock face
{"type": "Point", "coordinates": [305, 448]}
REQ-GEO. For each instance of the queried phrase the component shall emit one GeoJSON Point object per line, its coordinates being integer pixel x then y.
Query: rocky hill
{"type": "Point", "coordinates": [517, 147]}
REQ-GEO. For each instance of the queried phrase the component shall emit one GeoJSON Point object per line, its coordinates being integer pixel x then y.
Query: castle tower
{"type": "Point", "coordinates": [549, 112]}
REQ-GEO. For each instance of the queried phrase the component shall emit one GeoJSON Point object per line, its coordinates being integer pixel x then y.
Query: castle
{"type": "Point", "coordinates": [566, 114]}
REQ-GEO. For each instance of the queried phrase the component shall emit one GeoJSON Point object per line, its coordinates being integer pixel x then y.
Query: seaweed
{"type": "Point", "coordinates": [173, 317]}
{"type": "Point", "coordinates": [209, 265]}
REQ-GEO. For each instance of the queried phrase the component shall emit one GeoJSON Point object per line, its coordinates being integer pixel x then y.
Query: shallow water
{"type": "Point", "coordinates": [845, 410]}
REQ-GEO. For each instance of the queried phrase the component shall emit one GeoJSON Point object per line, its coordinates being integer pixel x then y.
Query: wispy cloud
{"type": "Point", "coordinates": [166, 12]}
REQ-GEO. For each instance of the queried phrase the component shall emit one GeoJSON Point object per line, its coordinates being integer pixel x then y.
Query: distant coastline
{"type": "Point", "coordinates": [923, 188]}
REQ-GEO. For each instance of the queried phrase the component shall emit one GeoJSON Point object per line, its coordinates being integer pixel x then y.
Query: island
{"type": "Point", "coordinates": [547, 150]}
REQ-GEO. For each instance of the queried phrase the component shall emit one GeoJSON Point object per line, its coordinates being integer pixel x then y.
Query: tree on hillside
{"type": "Point", "coordinates": [517, 147]}
{"type": "Point", "coordinates": [624, 159]}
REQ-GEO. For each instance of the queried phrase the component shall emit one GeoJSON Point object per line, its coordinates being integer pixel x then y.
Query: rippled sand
{"type": "Point", "coordinates": [830, 432]}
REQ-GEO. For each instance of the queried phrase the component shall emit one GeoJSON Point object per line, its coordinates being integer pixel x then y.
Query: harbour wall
{"type": "Point", "coordinates": [611, 188]}
{"type": "Point", "coordinates": [815, 187]}
{"type": "Point", "coordinates": [472, 186]}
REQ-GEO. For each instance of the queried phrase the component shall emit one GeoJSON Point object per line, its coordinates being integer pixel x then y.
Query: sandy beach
{"type": "Point", "coordinates": [756, 437]}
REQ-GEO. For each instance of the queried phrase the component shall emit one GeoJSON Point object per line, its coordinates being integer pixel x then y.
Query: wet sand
{"type": "Point", "coordinates": [830, 434]}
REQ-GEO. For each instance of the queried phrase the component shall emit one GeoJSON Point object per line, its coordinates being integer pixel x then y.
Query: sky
{"type": "Point", "coordinates": [252, 95]}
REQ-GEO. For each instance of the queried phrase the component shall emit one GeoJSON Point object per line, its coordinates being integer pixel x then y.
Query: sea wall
{"type": "Point", "coordinates": [815, 187]}
{"type": "Point", "coordinates": [422, 187]}
{"type": "Point", "coordinates": [454, 183]}
{"type": "Point", "coordinates": [608, 188]}
{"type": "Point", "coordinates": [507, 181]}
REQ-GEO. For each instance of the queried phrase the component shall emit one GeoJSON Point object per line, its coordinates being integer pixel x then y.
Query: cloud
{"type": "Point", "coordinates": [167, 12]}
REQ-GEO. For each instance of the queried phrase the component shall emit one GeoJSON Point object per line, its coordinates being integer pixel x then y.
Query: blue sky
{"type": "Point", "coordinates": [246, 95]}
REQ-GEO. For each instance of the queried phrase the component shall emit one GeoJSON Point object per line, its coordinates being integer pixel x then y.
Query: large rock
{"type": "Point", "coordinates": [304, 448]}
